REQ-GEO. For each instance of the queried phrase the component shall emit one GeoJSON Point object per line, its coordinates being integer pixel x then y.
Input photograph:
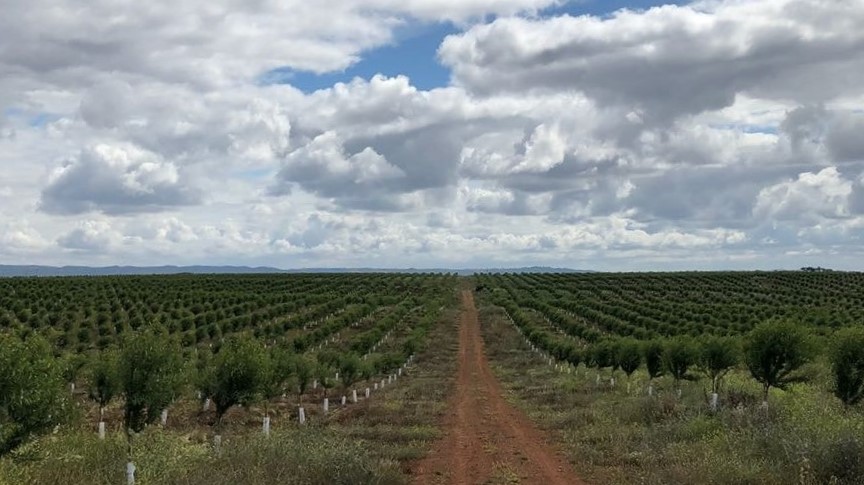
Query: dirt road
{"type": "Point", "coordinates": [488, 440]}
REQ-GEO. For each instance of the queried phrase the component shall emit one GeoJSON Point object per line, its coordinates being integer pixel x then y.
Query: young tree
{"type": "Point", "coordinates": [276, 380]}
{"type": "Point", "coordinates": [574, 356]}
{"type": "Point", "coordinates": [204, 377]}
{"type": "Point", "coordinates": [240, 375]}
{"type": "Point", "coordinates": [32, 399]}
{"type": "Point", "coordinates": [104, 378]}
{"type": "Point", "coordinates": [349, 370]}
{"type": "Point", "coordinates": [304, 370]}
{"type": "Point", "coordinates": [151, 372]}
{"type": "Point", "coordinates": [367, 370]}
{"type": "Point", "coordinates": [602, 354]}
{"type": "Point", "coordinates": [324, 373]}
{"type": "Point", "coordinates": [847, 365]}
{"type": "Point", "coordinates": [717, 355]}
{"type": "Point", "coordinates": [678, 355]}
{"type": "Point", "coordinates": [773, 352]}
{"type": "Point", "coordinates": [628, 355]}
{"type": "Point", "coordinates": [73, 364]}
{"type": "Point", "coordinates": [652, 351]}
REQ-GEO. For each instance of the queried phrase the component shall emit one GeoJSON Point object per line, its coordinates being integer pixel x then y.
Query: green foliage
{"type": "Point", "coordinates": [241, 370]}
{"type": "Point", "coordinates": [72, 366]}
{"type": "Point", "coordinates": [652, 350]}
{"type": "Point", "coordinates": [774, 351]}
{"type": "Point", "coordinates": [151, 373]}
{"type": "Point", "coordinates": [312, 456]}
{"type": "Point", "coordinates": [104, 377]}
{"type": "Point", "coordinates": [847, 365]}
{"type": "Point", "coordinates": [279, 373]}
{"type": "Point", "coordinates": [349, 369]}
{"type": "Point", "coordinates": [32, 398]}
{"type": "Point", "coordinates": [304, 371]}
{"type": "Point", "coordinates": [602, 354]}
{"type": "Point", "coordinates": [628, 355]}
{"type": "Point", "coordinates": [717, 355]}
{"type": "Point", "coordinates": [203, 374]}
{"type": "Point", "coordinates": [324, 375]}
{"type": "Point", "coordinates": [367, 370]}
{"type": "Point", "coordinates": [679, 354]}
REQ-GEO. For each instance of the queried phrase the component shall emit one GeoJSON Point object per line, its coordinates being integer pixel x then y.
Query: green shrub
{"type": "Point", "coordinates": [847, 365]}
{"type": "Point", "coordinates": [839, 461]}
{"type": "Point", "coordinates": [32, 398]}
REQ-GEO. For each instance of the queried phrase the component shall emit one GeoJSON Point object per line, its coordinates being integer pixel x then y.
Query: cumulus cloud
{"type": "Point", "coordinates": [20, 237]}
{"type": "Point", "coordinates": [323, 167]}
{"type": "Point", "coordinates": [89, 236]}
{"type": "Point", "coordinates": [810, 197]}
{"type": "Point", "coordinates": [202, 43]}
{"type": "Point", "coordinates": [115, 180]}
{"type": "Point", "coordinates": [710, 130]}
{"type": "Point", "coordinates": [672, 60]}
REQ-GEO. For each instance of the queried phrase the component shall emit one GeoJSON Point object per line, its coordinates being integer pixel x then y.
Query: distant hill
{"type": "Point", "coordinates": [35, 270]}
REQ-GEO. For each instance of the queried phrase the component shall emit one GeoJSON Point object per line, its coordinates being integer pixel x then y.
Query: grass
{"type": "Point", "coordinates": [371, 442]}
{"type": "Point", "coordinates": [806, 436]}
{"type": "Point", "coordinates": [296, 456]}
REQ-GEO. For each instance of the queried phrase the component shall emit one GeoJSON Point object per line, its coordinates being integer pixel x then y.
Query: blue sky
{"type": "Point", "coordinates": [413, 53]}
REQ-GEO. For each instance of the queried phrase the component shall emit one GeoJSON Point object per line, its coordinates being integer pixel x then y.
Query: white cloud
{"type": "Point", "coordinates": [672, 60]}
{"type": "Point", "coordinates": [810, 197]}
{"type": "Point", "coordinates": [115, 180]}
{"type": "Point", "coordinates": [706, 132]}
{"type": "Point", "coordinates": [19, 237]}
{"type": "Point", "coordinates": [90, 236]}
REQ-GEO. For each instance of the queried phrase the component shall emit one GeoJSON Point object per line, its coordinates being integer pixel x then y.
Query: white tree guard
{"type": "Point", "coordinates": [130, 473]}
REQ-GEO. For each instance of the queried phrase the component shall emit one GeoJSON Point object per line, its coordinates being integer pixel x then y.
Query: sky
{"type": "Point", "coordinates": [601, 135]}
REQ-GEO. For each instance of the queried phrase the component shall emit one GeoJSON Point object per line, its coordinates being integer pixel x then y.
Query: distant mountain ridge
{"type": "Point", "coordinates": [37, 270]}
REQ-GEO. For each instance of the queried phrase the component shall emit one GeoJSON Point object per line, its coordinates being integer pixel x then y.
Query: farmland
{"type": "Point", "coordinates": [302, 338]}
{"type": "Point", "coordinates": [564, 378]}
{"type": "Point", "coordinates": [575, 352]}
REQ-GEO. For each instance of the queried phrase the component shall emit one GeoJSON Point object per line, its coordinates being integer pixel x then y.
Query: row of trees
{"type": "Point", "coordinates": [773, 353]}
{"type": "Point", "coordinates": [83, 313]}
{"type": "Point", "coordinates": [148, 371]}
{"type": "Point", "coordinates": [662, 305]}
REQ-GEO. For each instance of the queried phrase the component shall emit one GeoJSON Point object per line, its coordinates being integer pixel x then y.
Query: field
{"type": "Point", "coordinates": [504, 378]}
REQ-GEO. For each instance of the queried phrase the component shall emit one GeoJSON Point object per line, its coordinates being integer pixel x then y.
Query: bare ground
{"type": "Point", "coordinates": [488, 440]}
